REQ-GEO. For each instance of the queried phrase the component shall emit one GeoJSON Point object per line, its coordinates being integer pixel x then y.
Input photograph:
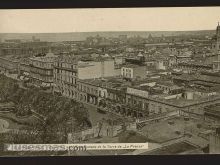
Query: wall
{"type": "Point", "coordinates": [137, 92]}
{"type": "Point", "coordinates": [96, 70]}
{"type": "Point", "coordinates": [127, 72]}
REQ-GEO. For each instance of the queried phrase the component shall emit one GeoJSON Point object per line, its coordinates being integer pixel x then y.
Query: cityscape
{"type": "Point", "coordinates": [160, 88]}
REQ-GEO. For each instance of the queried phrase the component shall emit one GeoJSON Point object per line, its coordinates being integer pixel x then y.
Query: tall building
{"type": "Point", "coordinates": [68, 71]}
{"type": "Point", "coordinates": [65, 77]}
{"type": "Point", "coordinates": [41, 70]}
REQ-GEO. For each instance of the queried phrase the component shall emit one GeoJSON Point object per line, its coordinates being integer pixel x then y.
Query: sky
{"type": "Point", "coordinates": [108, 19]}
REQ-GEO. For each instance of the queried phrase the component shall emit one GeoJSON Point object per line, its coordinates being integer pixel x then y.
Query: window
{"type": "Point", "coordinates": [160, 109]}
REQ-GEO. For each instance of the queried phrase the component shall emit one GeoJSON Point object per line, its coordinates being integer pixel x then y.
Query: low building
{"type": "Point", "coordinates": [161, 64]}
{"type": "Point", "coordinates": [169, 87]}
{"type": "Point", "coordinates": [183, 59]}
{"type": "Point", "coordinates": [212, 113]}
{"type": "Point", "coordinates": [193, 67]}
{"type": "Point", "coordinates": [88, 91]}
{"type": "Point", "coordinates": [214, 142]}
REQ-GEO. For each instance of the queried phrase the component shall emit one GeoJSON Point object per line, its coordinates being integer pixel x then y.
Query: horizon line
{"type": "Point", "coordinates": [109, 31]}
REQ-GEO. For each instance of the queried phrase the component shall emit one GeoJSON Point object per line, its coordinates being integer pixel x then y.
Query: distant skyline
{"type": "Point", "coordinates": [108, 19]}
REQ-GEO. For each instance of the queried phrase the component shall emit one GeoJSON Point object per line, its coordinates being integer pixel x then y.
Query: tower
{"type": "Point", "coordinates": [218, 38]}
{"type": "Point", "coordinates": [216, 49]}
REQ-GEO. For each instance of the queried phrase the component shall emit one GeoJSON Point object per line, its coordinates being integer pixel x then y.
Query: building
{"type": "Point", "coordinates": [193, 67]}
{"type": "Point", "coordinates": [96, 69]}
{"type": "Point", "coordinates": [161, 64]}
{"type": "Point", "coordinates": [131, 71]}
{"type": "Point", "coordinates": [24, 48]}
{"type": "Point", "coordinates": [41, 70]}
{"type": "Point", "coordinates": [216, 40]}
{"type": "Point", "coordinates": [169, 87]}
{"type": "Point", "coordinates": [89, 91]}
{"type": "Point", "coordinates": [212, 113]}
{"type": "Point", "coordinates": [67, 72]}
{"type": "Point", "coordinates": [216, 64]}
{"type": "Point", "coordinates": [183, 59]}
{"type": "Point", "coordinates": [214, 142]}
{"type": "Point", "coordinates": [144, 99]}
{"type": "Point", "coordinates": [65, 77]}
{"type": "Point", "coordinates": [8, 65]}
{"type": "Point", "coordinates": [24, 67]}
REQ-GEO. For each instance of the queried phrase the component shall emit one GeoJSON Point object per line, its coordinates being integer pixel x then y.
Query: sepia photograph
{"type": "Point", "coordinates": [110, 81]}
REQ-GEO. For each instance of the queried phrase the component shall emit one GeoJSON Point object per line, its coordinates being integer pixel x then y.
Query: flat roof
{"type": "Point", "coordinates": [44, 59]}
{"type": "Point", "coordinates": [128, 65]}
{"type": "Point", "coordinates": [109, 82]}
{"type": "Point", "coordinates": [215, 107]}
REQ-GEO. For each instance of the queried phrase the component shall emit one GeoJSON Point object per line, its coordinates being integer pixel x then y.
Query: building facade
{"type": "Point", "coordinates": [41, 70]}
{"type": "Point", "coordinates": [133, 71]}
{"type": "Point", "coordinates": [8, 65]}
{"type": "Point", "coordinates": [96, 69]}
{"type": "Point", "coordinates": [65, 77]}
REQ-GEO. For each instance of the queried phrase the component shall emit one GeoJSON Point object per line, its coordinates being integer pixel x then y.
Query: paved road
{"type": "Point", "coordinates": [3, 125]}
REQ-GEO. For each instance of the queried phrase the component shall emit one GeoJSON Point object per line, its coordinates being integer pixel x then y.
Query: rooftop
{"type": "Point", "coordinates": [109, 82]}
{"type": "Point", "coordinates": [128, 65]}
{"type": "Point", "coordinates": [215, 107]}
